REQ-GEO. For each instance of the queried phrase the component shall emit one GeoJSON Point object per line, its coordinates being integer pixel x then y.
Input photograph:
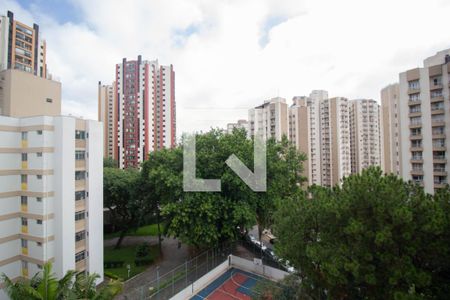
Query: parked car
{"type": "Point", "coordinates": [269, 235]}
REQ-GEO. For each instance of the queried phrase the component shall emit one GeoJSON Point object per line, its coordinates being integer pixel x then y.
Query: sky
{"type": "Point", "coordinates": [231, 55]}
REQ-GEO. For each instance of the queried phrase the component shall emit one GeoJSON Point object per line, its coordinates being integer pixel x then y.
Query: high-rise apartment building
{"type": "Point", "coordinates": [143, 111]}
{"type": "Point", "coordinates": [425, 122]}
{"type": "Point", "coordinates": [240, 124]}
{"type": "Point", "coordinates": [24, 95]}
{"type": "Point", "coordinates": [269, 120]}
{"type": "Point", "coordinates": [300, 131]}
{"type": "Point", "coordinates": [364, 134]}
{"type": "Point", "coordinates": [107, 113]}
{"type": "Point", "coordinates": [51, 195]}
{"type": "Point", "coordinates": [390, 130]}
{"type": "Point", "coordinates": [21, 47]}
{"type": "Point", "coordinates": [335, 140]}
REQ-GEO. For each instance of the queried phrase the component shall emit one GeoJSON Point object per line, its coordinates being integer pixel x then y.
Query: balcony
{"type": "Point", "coordinates": [440, 172]}
{"type": "Point", "coordinates": [413, 90]}
{"type": "Point", "coordinates": [80, 225]}
{"type": "Point", "coordinates": [80, 246]}
{"type": "Point", "coordinates": [415, 125]}
{"type": "Point", "coordinates": [417, 159]}
{"type": "Point", "coordinates": [435, 123]}
{"type": "Point", "coordinates": [415, 113]}
{"type": "Point", "coordinates": [414, 102]}
{"type": "Point", "coordinates": [416, 172]}
{"type": "Point", "coordinates": [437, 111]}
{"type": "Point", "coordinates": [435, 86]}
{"type": "Point", "coordinates": [80, 265]}
{"type": "Point", "coordinates": [415, 137]}
{"type": "Point", "coordinates": [80, 143]}
{"type": "Point", "coordinates": [437, 99]}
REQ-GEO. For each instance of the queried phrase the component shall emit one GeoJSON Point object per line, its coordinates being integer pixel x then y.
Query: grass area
{"type": "Point", "coordinates": [147, 230]}
{"type": "Point", "coordinates": [127, 254]}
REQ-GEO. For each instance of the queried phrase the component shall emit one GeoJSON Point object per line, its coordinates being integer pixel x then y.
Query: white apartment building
{"type": "Point", "coordinates": [364, 134]}
{"type": "Point", "coordinates": [240, 124]}
{"type": "Point", "coordinates": [51, 195]}
{"type": "Point", "coordinates": [146, 111]}
{"type": "Point", "coordinates": [425, 122]}
{"type": "Point", "coordinates": [269, 120]}
{"type": "Point", "coordinates": [390, 130]}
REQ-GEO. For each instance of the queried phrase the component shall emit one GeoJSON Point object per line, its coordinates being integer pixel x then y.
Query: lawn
{"type": "Point", "coordinates": [127, 254]}
{"type": "Point", "coordinates": [147, 230]}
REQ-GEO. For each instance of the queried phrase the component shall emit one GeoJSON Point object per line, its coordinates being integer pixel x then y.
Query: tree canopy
{"type": "Point", "coordinates": [374, 237]}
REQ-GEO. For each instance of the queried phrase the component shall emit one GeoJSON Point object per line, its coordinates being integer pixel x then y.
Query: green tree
{"type": "Point", "coordinates": [121, 198]}
{"type": "Point", "coordinates": [45, 286]}
{"type": "Point", "coordinates": [160, 182]}
{"type": "Point", "coordinates": [110, 162]}
{"type": "Point", "coordinates": [206, 219]}
{"type": "Point", "coordinates": [375, 237]}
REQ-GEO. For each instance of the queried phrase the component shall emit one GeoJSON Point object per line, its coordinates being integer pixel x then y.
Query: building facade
{"type": "Point", "coordinates": [365, 137]}
{"type": "Point", "coordinates": [240, 124]}
{"type": "Point", "coordinates": [390, 130]}
{"type": "Point", "coordinates": [335, 140]}
{"type": "Point", "coordinates": [425, 122]}
{"type": "Point", "coordinates": [21, 47]}
{"type": "Point", "coordinates": [107, 114]}
{"type": "Point", "coordinates": [24, 95]}
{"type": "Point", "coordinates": [143, 111]}
{"type": "Point", "coordinates": [269, 120]}
{"type": "Point", "coordinates": [51, 195]}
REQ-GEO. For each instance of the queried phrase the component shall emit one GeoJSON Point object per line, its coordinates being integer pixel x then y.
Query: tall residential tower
{"type": "Point", "coordinates": [21, 47]}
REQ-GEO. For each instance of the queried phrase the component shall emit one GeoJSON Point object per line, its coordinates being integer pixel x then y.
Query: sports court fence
{"type": "Point", "coordinates": [171, 283]}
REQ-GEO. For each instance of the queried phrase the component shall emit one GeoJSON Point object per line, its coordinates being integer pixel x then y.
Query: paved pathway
{"type": "Point", "coordinates": [172, 256]}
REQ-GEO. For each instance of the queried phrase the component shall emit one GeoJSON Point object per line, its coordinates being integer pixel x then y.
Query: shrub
{"type": "Point", "coordinates": [143, 250]}
{"type": "Point", "coordinates": [112, 275]}
{"type": "Point", "coordinates": [109, 264]}
{"type": "Point", "coordinates": [143, 261]}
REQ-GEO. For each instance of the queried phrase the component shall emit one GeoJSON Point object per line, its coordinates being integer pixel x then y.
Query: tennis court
{"type": "Point", "coordinates": [234, 284]}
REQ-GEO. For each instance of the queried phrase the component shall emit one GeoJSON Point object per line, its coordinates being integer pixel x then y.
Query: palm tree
{"type": "Point", "coordinates": [45, 286]}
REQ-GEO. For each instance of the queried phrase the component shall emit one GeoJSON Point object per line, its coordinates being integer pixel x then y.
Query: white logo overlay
{"type": "Point", "coordinates": [256, 180]}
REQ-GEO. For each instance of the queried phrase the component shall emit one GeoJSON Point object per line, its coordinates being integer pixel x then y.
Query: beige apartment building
{"type": "Point", "coordinates": [24, 94]}
{"type": "Point", "coordinates": [390, 130]}
{"type": "Point", "coordinates": [21, 47]}
{"type": "Point", "coordinates": [299, 131]}
{"type": "Point", "coordinates": [335, 140]}
{"type": "Point", "coordinates": [365, 137]}
{"type": "Point", "coordinates": [425, 122]}
{"type": "Point", "coordinates": [107, 114]}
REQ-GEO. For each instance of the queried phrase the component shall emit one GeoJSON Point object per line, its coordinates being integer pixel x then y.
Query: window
{"type": "Point", "coordinates": [24, 221]}
{"type": "Point", "coordinates": [414, 97]}
{"type": "Point", "coordinates": [38, 199]}
{"type": "Point", "coordinates": [24, 156]}
{"type": "Point", "coordinates": [80, 135]}
{"type": "Point", "coordinates": [80, 155]}
{"type": "Point", "coordinates": [80, 215]}
{"type": "Point", "coordinates": [24, 200]}
{"type": "Point", "coordinates": [24, 243]}
{"type": "Point", "coordinates": [39, 177]}
{"type": "Point", "coordinates": [435, 94]}
{"type": "Point", "coordinates": [49, 100]}
{"type": "Point", "coordinates": [79, 236]}
{"type": "Point", "coordinates": [80, 175]}
{"type": "Point", "coordinates": [39, 244]}
{"type": "Point", "coordinates": [39, 132]}
{"type": "Point", "coordinates": [39, 221]}
{"type": "Point", "coordinates": [24, 135]}
{"type": "Point", "coordinates": [39, 154]}
{"type": "Point", "coordinates": [80, 195]}
{"type": "Point", "coordinates": [414, 84]}
{"type": "Point", "coordinates": [80, 256]}
{"type": "Point", "coordinates": [39, 267]}
{"type": "Point", "coordinates": [23, 178]}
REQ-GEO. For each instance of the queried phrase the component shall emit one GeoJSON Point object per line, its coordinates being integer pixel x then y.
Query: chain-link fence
{"type": "Point", "coordinates": [169, 284]}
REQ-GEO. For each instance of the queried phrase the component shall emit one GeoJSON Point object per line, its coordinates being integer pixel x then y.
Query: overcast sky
{"type": "Point", "coordinates": [230, 55]}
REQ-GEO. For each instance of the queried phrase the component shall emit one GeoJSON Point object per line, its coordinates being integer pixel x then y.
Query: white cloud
{"type": "Point", "coordinates": [351, 48]}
